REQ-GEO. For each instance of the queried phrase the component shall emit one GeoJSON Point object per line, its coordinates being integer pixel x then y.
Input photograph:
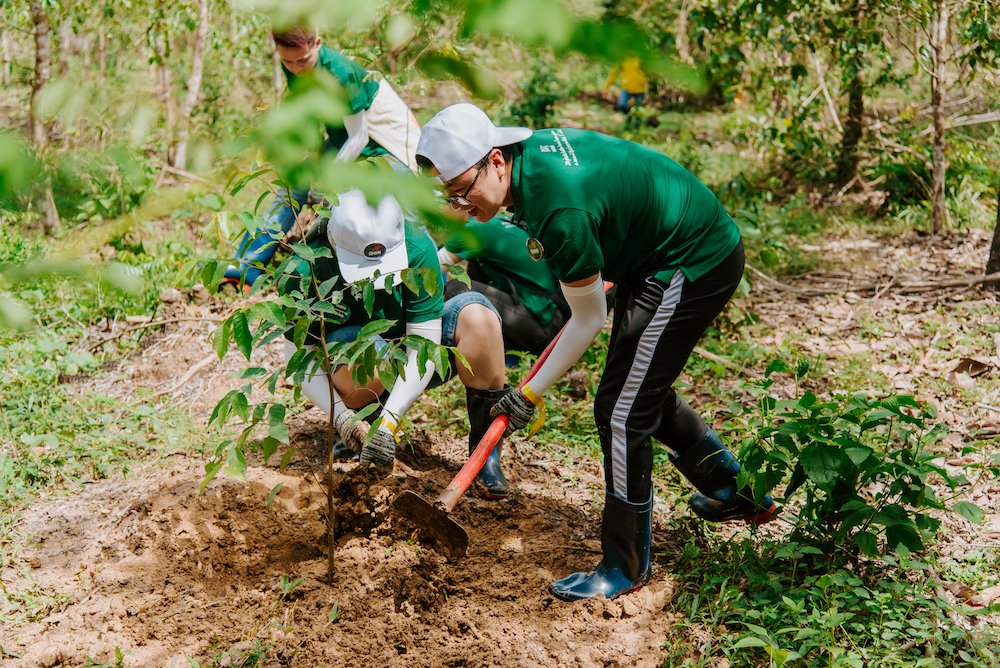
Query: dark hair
{"type": "Point", "coordinates": [295, 36]}
{"type": "Point", "coordinates": [424, 163]}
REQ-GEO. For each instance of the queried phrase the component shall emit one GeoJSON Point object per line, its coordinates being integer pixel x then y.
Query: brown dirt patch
{"type": "Point", "coordinates": [157, 569]}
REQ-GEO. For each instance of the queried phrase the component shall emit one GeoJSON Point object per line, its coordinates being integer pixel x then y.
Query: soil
{"type": "Point", "coordinates": [173, 575]}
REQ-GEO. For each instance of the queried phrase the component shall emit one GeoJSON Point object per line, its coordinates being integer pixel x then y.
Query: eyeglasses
{"type": "Point", "coordinates": [462, 200]}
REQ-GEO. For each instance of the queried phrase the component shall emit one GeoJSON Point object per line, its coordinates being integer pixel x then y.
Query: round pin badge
{"type": "Point", "coordinates": [374, 250]}
{"type": "Point", "coordinates": [535, 249]}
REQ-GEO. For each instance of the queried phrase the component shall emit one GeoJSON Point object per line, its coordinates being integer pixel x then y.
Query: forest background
{"type": "Point", "coordinates": [855, 144]}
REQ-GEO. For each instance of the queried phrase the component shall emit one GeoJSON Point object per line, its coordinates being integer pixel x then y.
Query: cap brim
{"type": "Point", "coordinates": [507, 136]}
{"type": "Point", "coordinates": [359, 268]}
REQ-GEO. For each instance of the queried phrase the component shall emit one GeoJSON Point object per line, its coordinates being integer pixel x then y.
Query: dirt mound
{"type": "Point", "coordinates": [156, 569]}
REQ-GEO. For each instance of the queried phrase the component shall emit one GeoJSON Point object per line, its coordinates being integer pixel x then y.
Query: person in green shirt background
{"type": "Point", "coordinates": [599, 207]}
{"type": "Point", "coordinates": [525, 292]}
{"type": "Point", "coordinates": [380, 124]}
{"type": "Point", "coordinates": [363, 239]}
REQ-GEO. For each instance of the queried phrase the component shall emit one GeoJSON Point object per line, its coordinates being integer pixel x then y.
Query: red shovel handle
{"type": "Point", "coordinates": [450, 496]}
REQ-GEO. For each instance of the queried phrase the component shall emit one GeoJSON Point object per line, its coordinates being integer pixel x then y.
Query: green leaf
{"type": "Point", "coordinates": [750, 641]}
{"type": "Point", "coordinates": [210, 470]}
{"type": "Point", "coordinates": [244, 180]}
{"type": "Point", "coordinates": [251, 372]}
{"type": "Point", "coordinates": [769, 257]}
{"type": "Point", "coordinates": [822, 464]}
{"type": "Point", "coordinates": [237, 464]}
{"type": "Point", "coordinates": [969, 511]}
{"type": "Point", "coordinates": [269, 447]}
{"type": "Point", "coordinates": [221, 339]}
{"type": "Point", "coordinates": [410, 280]}
{"type": "Point", "coordinates": [431, 277]}
{"type": "Point", "coordinates": [286, 458]}
{"type": "Point", "coordinates": [369, 297]}
{"type": "Point", "coordinates": [270, 497]}
{"type": "Point", "coordinates": [374, 328]}
{"type": "Point", "coordinates": [241, 334]}
{"type": "Point", "coordinates": [867, 542]}
{"type": "Point", "coordinates": [326, 286]}
{"type": "Point", "coordinates": [278, 432]}
{"type": "Point", "coordinates": [777, 366]}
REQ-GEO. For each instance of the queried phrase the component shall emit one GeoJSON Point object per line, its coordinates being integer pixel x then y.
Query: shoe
{"type": "Point", "coordinates": [626, 534]}
{"type": "Point", "coordinates": [479, 403]}
{"type": "Point", "coordinates": [712, 469]}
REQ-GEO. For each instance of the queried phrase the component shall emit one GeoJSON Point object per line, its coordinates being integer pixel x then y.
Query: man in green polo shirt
{"type": "Point", "coordinates": [360, 240]}
{"type": "Point", "coordinates": [379, 124]}
{"type": "Point", "coordinates": [524, 291]}
{"type": "Point", "coordinates": [598, 207]}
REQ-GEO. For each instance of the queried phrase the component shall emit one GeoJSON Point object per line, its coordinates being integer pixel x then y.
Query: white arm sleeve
{"type": "Point", "coordinates": [445, 256]}
{"type": "Point", "coordinates": [357, 137]}
{"type": "Point", "coordinates": [590, 309]}
{"type": "Point", "coordinates": [405, 392]}
{"type": "Point", "coordinates": [316, 387]}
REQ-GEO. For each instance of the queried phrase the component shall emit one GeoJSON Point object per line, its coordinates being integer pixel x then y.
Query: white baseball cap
{"type": "Point", "coordinates": [461, 135]}
{"type": "Point", "coordinates": [368, 237]}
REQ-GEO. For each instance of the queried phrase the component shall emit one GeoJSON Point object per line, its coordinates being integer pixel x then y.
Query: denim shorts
{"type": "Point", "coordinates": [452, 307]}
{"type": "Point", "coordinates": [449, 321]}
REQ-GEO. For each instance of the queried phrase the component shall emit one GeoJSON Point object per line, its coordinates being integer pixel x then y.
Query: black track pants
{"type": "Point", "coordinates": [656, 326]}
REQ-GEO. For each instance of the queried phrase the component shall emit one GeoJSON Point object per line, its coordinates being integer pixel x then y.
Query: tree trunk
{"type": "Point", "coordinates": [681, 40]}
{"type": "Point", "coordinates": [102, 54]}
{"type": "Point", "coordinates": [65, 38]}
{"type": "Point", "coordinates": [163, 84]}
{"type": "Point", "coordinates": [279, 79]}
{"type": "Point", "coordinates": [993, 263]}
{"type": "Point", "coordinates": [5, 58]}
{"type": "Point", "coordinates": [179, 152]}
{"type": "Point", "coordinates": [847, 167]}
{"type": "Point", "coordinates": [47, 207]}
{"type": "Point", "coordinates": [43, 59]}
{"type": "Point", "coordinates": [939, 83]}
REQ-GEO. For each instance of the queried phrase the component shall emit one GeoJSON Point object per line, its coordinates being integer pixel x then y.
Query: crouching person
{"type": "Point", "coordinates": [362, 240]}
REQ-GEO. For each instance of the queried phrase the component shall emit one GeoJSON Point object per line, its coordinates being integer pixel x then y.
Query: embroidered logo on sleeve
{"type": "Point", "coordinates": [535, 249]}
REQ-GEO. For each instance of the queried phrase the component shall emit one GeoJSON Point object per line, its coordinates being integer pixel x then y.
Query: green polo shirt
{"type": "Point", "coordinates": [597, 203]}
{"type": "Point", "coordinates": [358, 86]}
{"type": "Point", "coordinates": [500, 249]}
{"type": "Point", "coordinates": [400, 304]}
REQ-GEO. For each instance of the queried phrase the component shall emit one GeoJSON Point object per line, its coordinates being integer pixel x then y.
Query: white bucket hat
{"type": "Point", "coordinates": [461, 135]}
{"type": "Point", "coordinates": [368, 237]}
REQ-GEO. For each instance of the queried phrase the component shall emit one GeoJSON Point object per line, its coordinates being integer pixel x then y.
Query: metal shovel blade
{"type": "Point", "coordinates": [448, 533]}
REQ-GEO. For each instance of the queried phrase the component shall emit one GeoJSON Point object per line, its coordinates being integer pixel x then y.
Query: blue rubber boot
{"type": "Point", "coordinates": [479, 403]}
{"type": "Point", "coordinates": [261, 245]}
{"type": "Point", "coordinates": [626, 534]}
{"type": "Point", "coordinates": [712, 469]}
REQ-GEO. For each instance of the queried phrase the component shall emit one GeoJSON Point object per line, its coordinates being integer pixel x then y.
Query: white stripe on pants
{"type": "Point", "coordinates": [623, 405]}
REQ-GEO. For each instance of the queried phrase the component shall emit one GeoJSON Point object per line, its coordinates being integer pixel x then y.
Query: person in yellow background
{"type": "Point", "coordinates": [634, 84]}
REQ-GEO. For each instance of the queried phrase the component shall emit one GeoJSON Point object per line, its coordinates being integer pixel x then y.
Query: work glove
{"type": "Point", "coordinates": [353, 435]}
{"type": "Point", "coordinates": [380, 451]}
{"type": "Point", "coordinates": [518, 409]}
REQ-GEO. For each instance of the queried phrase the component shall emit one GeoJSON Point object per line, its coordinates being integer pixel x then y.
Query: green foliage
{"type": "Point", "coordinates": [865, 466]}
{"type": "Point", "coordinates": [539, 94]}
{"type": "Point", "coordinates": [792, 604]}
{"type": "Point", "coordinates": [302, 310]}
{"type": "Point", "coordinates": [118, 662]}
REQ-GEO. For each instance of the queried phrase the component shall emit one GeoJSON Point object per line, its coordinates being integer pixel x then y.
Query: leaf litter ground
{"type": "Point", "coordinates": [150, 566]}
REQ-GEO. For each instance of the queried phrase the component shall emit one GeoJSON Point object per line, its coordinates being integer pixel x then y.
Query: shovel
{"type": "Point", "coordinates": [449, 534]}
